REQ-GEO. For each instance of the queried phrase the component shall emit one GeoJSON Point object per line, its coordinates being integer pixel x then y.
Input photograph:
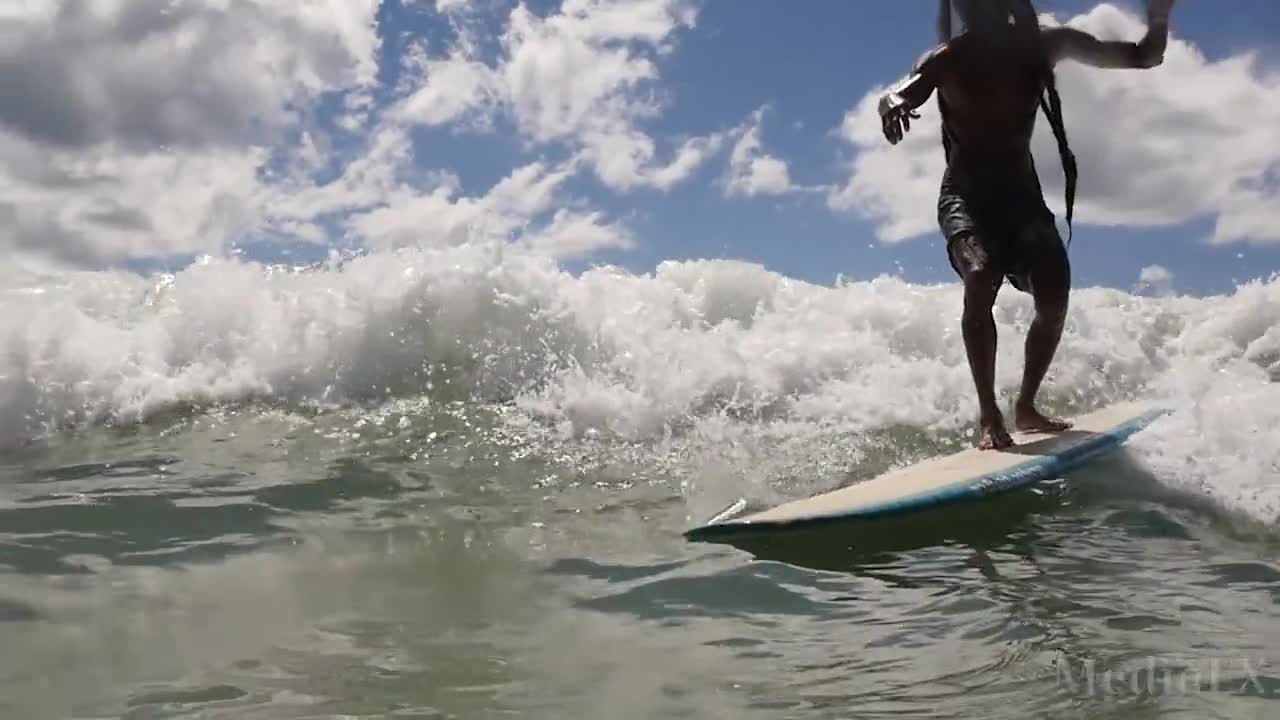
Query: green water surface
{"type": "Point", "coordinates": [261, 564]}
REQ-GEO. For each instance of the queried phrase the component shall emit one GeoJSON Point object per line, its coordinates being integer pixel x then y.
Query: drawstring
{"type": "Point", "coordinates": [1053, 111]}
{"type": "Point", "coordinates": [1051, 104]}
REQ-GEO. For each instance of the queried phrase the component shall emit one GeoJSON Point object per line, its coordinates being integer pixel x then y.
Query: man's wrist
{"type": "Point", "coordinates": [886, 104]}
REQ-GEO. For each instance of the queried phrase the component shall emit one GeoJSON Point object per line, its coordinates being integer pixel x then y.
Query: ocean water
{"type": "Point", "coordinates": [451, 484]}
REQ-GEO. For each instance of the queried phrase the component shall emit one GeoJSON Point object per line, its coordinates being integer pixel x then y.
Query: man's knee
{"type": "Point", "coordinates": [1053, 308]}
{"type": "Point", "coordinates": [1049, 266]}
{"type": "Point", "coordinates": [981, 286]}
{"type": "Point", "coordinates": [1051, 283]}
{"type": "Point", "coordinates": [1052, 301]}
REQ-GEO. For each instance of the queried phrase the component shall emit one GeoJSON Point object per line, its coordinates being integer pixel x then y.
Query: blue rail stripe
{"type": "Point", "coordinates": [1026, 473]}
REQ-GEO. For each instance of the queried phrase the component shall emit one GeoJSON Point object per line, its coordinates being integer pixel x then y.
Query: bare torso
{"type": "Point", "coordinates": [991, 94]}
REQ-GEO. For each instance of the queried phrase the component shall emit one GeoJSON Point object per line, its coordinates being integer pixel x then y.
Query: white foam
{"type": "Point", "coordinates": [714, 353]}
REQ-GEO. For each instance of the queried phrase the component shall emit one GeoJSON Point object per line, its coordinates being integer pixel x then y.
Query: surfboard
{"type": "Point", "coordinates": [968, 475]}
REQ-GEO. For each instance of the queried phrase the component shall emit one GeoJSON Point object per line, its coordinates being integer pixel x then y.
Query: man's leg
{"type": "Point", "coordinates": [981, 284]}
{"type": "Point", "coordinates": [974, 258]}
{"type": "Point", "coordinates": [1049, 272]}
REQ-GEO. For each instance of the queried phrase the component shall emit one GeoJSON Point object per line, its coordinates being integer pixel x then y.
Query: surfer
{"type": "Point", "coordinates": [990, 80]}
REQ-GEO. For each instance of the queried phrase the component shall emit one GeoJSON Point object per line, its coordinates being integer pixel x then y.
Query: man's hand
{"type": "Point", "coordinates": [896, 115]}
{"type": "Point", "coordinates": [898, 106]}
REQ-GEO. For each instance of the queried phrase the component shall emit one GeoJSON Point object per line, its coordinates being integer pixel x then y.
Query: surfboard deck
{"type": "Point", "coordinates": [967, 475]}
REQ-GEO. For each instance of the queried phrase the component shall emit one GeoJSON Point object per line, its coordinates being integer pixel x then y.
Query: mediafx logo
{"type": "Point", "coordinates": [1168, 675]}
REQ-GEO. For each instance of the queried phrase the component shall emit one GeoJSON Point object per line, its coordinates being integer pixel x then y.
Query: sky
{"type": "Point", "coordinates": [142, 134]}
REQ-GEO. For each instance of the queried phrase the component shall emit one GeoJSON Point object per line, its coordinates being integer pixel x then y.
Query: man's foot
{"type": "Point", "coordinates": [1029, 419]}
{"type": "Point", "coordinates": [994, 436]}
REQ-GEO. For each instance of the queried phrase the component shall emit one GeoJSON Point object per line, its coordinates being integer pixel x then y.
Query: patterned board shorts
{"type": "Point", "coordinates": [1009, 234]}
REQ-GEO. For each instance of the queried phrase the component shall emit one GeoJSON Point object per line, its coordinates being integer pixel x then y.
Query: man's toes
{"type": "Point", "coordinates": [995, 439]}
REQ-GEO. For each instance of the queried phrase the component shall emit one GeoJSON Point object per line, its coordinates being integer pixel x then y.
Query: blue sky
{"type": "Point", "coordinates": [809, 62]}
{"type": "Point", "coordinates": [799, 73]}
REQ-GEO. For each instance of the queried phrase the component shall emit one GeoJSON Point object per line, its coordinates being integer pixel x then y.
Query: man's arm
{"type": "Point", "coordinates": [897, 107]}
{"type": "Point", "coordinates": [917, 88]}
{"type": "Point", "coordinates": [1070, 44]}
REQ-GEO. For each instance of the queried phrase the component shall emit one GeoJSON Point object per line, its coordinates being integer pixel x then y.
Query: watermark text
{"type": "Point", "coordinates": [1243, 675]}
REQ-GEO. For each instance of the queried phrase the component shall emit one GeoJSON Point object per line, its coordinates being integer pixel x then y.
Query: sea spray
{"type": "Point", "coordinates": [730, 369]}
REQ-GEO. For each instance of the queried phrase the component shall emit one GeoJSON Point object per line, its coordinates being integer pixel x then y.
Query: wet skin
{"type": "Point", "coordinates": [991, 79]}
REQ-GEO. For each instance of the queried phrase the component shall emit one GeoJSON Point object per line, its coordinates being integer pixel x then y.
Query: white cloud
{"type": "Point", "coordinates": [1155, 276]}
{"type": "Point", "coordinates": [583, 76]}
{"type": "Point", "coordinates": [453, 86]}
{"type": "Point", "coordinates": [751, 170]}
{"type": "Point", "coordinates": [95, 205]}
{"type": "Point", "coordinates": [1193, 138]}
{"type": "Point", "coordinates": [134, 166]}
{"type": "Point", "coordinates": [151, 74]}
{"type": "Point", "coordinates": [572, 235]}
{"type": "Point", "coordinates": [364, 183]}
{"type": "Point", "coordinates": [383, 213]}
{"type": "Point", "coordinates": [139, 128]}
{"type": "Point", "coordinates": [897, 186]}
{"type": "Point", "coordinates": [624, 159]}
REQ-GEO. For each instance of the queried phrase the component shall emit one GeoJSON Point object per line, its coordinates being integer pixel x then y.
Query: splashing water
{"type": "Point", "coordinates": [718, 365]}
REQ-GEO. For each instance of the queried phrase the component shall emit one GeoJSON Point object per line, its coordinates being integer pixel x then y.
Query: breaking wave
{"type": "Point", "coordinates": [712, 349]}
